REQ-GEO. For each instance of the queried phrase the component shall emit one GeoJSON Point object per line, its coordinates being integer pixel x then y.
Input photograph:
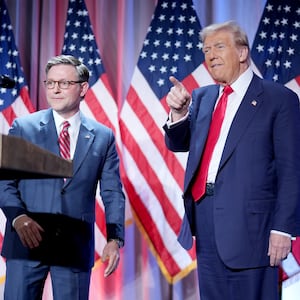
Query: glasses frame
{"type": "Point", "coordinates": [68, 83]}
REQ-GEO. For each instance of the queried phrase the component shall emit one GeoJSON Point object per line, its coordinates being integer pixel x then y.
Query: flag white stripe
{"type": "Point", "coordinates": [149, 99]}
{"type": "Point", "coordinates": [100, 241]}
{"type": "Point", "coordinates": [153, 156]}
{"type": "Point", "coordinates": [201, 76]}
{"type": "Point", "coordinates": [150, 200]}
{"type": "Point", "coordinates": [19, 107]}
{"type": "Point", "coordinates": [108, 107]}
{"type": "Point", "coordinates": [107, 102]}
{"type": "Point", "coordinates": [154, 107]}
{"type": "Point", "coordinates": [4, 127]}
{"type": "Point", "coordinates": [290, 265]}
{"type": "Point", "coordinates": [85, 109]}
{"type": "Point", "coordinates": [293, 85]}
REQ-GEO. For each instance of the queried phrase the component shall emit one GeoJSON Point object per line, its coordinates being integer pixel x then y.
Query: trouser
{"type": "Point", "coordinates": [25, 281]}
{"type": "Point", "coordinates": [216, 280]}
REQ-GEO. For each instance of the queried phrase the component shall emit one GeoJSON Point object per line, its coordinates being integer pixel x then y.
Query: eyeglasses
{"type": "Point", "coordinates": [62, 84]}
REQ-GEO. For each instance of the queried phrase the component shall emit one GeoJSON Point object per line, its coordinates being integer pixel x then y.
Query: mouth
{"type": "Point", "coordinates": [213, 66]}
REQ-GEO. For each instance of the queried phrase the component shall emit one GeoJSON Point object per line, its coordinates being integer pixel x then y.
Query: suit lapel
{"type": "Point", "coordinates": [201, 119]}
{"type": "Point", "coordinates": [245, 114]}
{"type": "Point", "coordinates": [49, 138]}
{"type": "Point", "coordinates": [84, 142]}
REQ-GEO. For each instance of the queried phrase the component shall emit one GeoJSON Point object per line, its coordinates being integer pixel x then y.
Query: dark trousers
{"type": "Point", "coordinates": [25, 281]}
{"type": "Point", "coordinates": [216, 280]}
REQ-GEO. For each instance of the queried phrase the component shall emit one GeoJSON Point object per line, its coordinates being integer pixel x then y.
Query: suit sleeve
{"type": "Point", "coordinates": [286, 136]}
{"type": "Point", "coordinates": [112, 194]}
{"type": "Point", "coordinates": [10, 200]}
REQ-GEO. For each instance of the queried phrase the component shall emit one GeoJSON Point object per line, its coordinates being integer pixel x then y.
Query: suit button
{"type": "Point", "coordinates": [57, 232]}
{"type": "Point", "coordinates": [62, 191]}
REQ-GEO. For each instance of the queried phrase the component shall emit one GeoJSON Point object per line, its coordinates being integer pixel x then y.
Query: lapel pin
{"type": "Point", "coordinates": [254, 102]}
{"type": "Point", "coordinates": [87, 136]}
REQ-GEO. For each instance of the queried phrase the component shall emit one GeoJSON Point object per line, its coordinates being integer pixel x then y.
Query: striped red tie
{"type": "Point", "coordinates": [64, 141]}
{"type": "Point", "coordinates": [199, 185]}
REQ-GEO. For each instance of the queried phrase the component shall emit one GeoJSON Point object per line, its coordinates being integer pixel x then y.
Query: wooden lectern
{"type": "Point", "coordinates": [20, 159]}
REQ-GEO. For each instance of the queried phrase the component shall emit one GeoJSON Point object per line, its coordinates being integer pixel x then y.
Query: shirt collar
{"type": "Point", "coordinates": [74, 120]}
{"type": "Point", "coordinates": [241, 85]}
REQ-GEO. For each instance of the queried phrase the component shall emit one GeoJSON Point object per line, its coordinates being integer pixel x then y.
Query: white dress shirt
{"type": "Point", "coordinates": [239, 87]}
{"type": "Point", "coordinates": [73, 129]}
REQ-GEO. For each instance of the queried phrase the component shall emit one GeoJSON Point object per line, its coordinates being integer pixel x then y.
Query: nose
{"type": "Point", "coordinates": [56, 87]}
{"type": "Point", "coordinates": [211, 54]}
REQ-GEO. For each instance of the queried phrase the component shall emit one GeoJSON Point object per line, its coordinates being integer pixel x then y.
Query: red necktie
{"type": "Point", "coordinates": [64, 141]}
{"type": "Point", "coordinates": [199, 185]}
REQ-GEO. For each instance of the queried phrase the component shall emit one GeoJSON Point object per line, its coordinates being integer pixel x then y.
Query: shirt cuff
{"type": "Point", "coordinates": [15, 219]}
{"type": "Point", "coordinates": [170, 123]}
{"type": "Point", "coordinates": [283, 233]}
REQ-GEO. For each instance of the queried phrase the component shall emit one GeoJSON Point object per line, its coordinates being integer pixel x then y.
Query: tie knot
{"type": "Point", "coordinates": [65, 125]}
{"type": "Point", "coordinates": [227, 90]}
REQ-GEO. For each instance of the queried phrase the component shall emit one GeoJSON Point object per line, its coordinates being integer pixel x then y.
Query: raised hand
{"type": "Point", "coordinates": [178, 99]}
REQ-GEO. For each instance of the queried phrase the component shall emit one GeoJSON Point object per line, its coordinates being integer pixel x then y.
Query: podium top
{"type": "Point", "coordinates": [20, 159]}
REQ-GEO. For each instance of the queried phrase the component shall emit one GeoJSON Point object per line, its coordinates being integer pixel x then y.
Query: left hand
{"type": "Point", "coordinates": [29, 231]}
{"type": "Point", "coordinates": [279, 248]}
{"type": "Point", "coordinates": [112, 254]}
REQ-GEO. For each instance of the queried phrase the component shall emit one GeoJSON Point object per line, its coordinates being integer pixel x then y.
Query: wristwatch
{"type": "Point", "coordinates": [119, 242]}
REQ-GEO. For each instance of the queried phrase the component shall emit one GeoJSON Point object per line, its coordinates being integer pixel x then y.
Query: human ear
{"type": "Point", "coordinates": [243, 53]}
{"type": "Point", "coordinates": [84, 88]}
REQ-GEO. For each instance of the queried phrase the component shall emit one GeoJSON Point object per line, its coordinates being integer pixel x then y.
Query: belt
{"type": "Point", "coordinates": [209, 189]}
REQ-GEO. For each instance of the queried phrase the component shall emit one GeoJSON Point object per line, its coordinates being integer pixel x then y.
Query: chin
{"type": "Point", "coordinates": [218, 78]}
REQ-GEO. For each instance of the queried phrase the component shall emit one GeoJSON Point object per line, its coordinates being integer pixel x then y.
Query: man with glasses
{"type": "Point", "coordinates": [50, 222]}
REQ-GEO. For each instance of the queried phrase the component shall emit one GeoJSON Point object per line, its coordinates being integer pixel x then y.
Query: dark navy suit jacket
{"type": "Point", "coordinates": [257, 187]}
{"type": "Point", "coordinates": [95, 160]}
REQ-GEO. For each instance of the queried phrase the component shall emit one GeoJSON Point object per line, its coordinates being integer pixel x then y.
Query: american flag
{"type": "Point", "coordinates": [99, 103]}
{"type": "Point", "coordinates": [14, 102]}
{"type": "Point", "coordinates": [276, 55]}
{"type": "Point", "coordinates": [276, 47]}
{"type": "Point", "coordinates": [171, 47]}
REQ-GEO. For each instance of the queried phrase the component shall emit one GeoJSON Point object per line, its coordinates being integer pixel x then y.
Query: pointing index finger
{"type": "Point", "coordinates": [174, 81]}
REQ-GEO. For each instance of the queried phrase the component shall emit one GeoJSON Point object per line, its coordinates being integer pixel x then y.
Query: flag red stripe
{"type": "Point", "coordinates": [9, 114]}
{"type": "Point", "coordinates": [26, 99]}
{"type": "Point", "coordinates": [296, 249]}
{"type": "Point", "coordinates": [150, 176]}
{"type": "Point", "coordinates": [96, 108]}
{"type": "Point", "coordinates": [1, 240]}
{"type": "Point", "coordinates": [190, 83]}
{"type": "Point", "coordinates": [100, 223]}
{"type": "Point", "coordinates": [150, 228]}
{"type": "Point", "coordinates": [100, 218]}
{"type": "Point", "coordinates": [104, 78]}
{"type": "Point", "coordinates": [164, 104]}
{"type": "Point", "coordinates": [156, 136]}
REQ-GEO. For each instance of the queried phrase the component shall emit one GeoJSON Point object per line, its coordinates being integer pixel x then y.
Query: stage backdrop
{"type": "Point", "coordinates": [121, 31]}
